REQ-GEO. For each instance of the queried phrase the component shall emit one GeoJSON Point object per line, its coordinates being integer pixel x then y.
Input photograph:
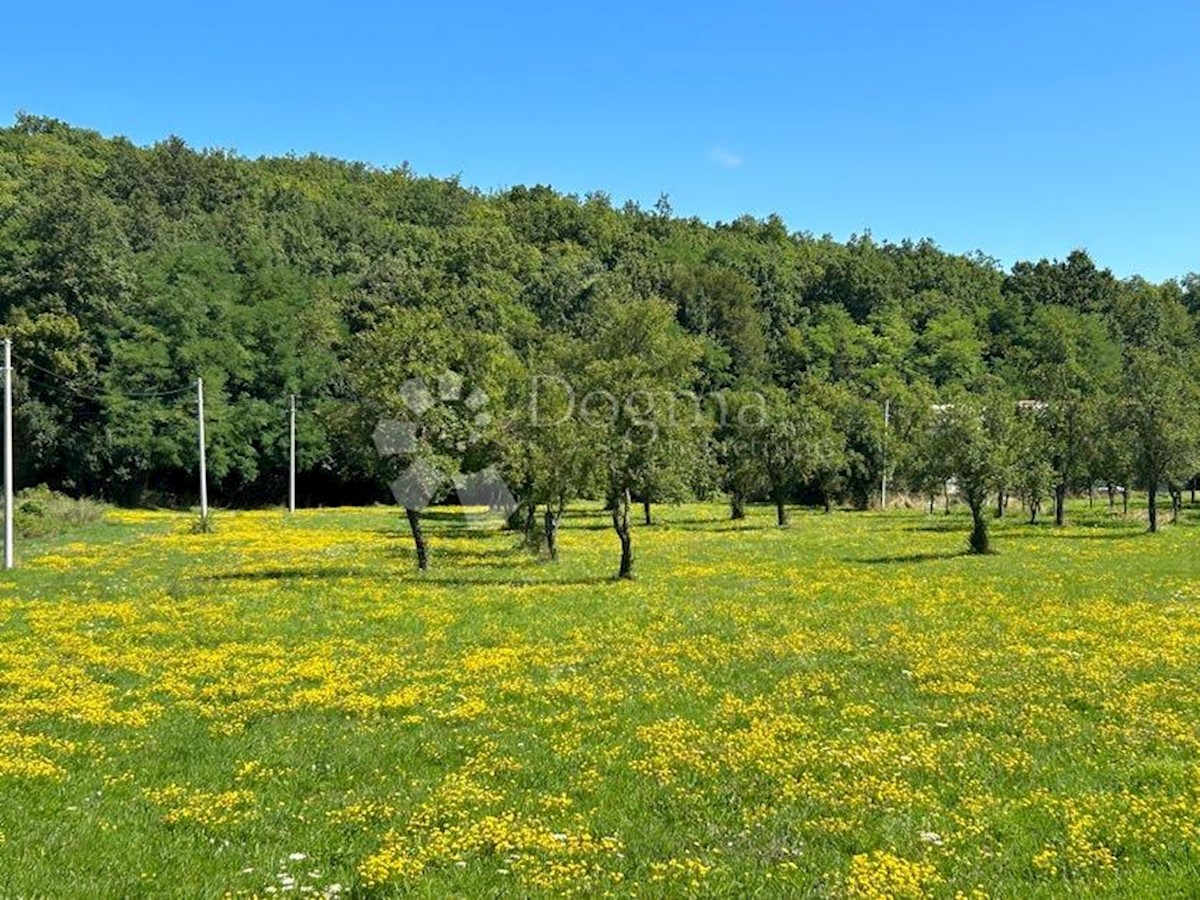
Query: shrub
{"type": "Point", "coordinates": [203, 524]}
{"type": "Point", "coordinates": [41, 512]}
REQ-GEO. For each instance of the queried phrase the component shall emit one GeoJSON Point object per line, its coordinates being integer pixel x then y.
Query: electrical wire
{"type": "Point", "coordinates": [63, 385]}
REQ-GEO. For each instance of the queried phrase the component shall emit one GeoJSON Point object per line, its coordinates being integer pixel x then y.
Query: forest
{"type": "Point", "coordinates": [814, 370]}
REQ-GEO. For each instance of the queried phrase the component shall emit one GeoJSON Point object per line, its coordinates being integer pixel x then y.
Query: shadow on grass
{"type": "Point", "coordinates": [727, 525]}
{"type": "Point", "coordinates": [283, 573]}
{"type": "Point", "coordinates": [441, 515]}
{"type": "Point", "coordinates": [514, 558]}
{"type": "Point", "coordinates": [906, 558]}
{"type": "Point", "coordinates": [432, 580]}
{"type": "Point", "coordinates": [1106, 533]}
{"type": "Point", "coordinates": [457, 531]}
{"type": "Point", "coordinates": [951, 523]}
{"type": "Point", "coordinates": [471, 553]}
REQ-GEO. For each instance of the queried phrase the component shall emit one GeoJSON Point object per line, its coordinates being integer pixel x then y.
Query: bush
{"type": "Point", "coordinates": [41, 512]}
{"type": "Point", "coordinates": [204, 524]}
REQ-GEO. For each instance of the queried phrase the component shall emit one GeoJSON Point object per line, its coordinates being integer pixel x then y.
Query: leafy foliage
{"type": "Point", "coordinates": [127, 272]}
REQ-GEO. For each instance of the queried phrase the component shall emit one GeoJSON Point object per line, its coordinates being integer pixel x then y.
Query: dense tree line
{"type": "Point", "coordinates": [748, 360]}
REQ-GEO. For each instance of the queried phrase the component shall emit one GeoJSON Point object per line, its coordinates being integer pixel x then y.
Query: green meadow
{"type": "Point", "coordinates": [850, 706]}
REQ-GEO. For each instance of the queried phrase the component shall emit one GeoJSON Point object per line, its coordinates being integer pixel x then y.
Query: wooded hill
{"type": "Point", "coordinates": [126, 272]}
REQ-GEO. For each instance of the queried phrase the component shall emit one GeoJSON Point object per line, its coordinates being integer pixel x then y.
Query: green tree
{"type": "Point", "coordinates": [636, 395]}
{"type": "Point", "coordinates": [1161, 387]}
{"type": "Point", "coordinates": [1072, 367]}
{"type": "Point", "coordinates": [415, 379]}
{"type": "Point", "coordinates": [741, 416]}
{"type": "Point", "coordinates": [1161, 403]}
{"type": "Point", "coordinates": [1030, 472]}
{"type": "Point", "coordinates": [547, 449]}
{"type": "Point", "coordinates": [968, 431]}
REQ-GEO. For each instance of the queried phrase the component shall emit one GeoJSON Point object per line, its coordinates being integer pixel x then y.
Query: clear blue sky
{"type": "Point", "coordinates": [1023, 129]}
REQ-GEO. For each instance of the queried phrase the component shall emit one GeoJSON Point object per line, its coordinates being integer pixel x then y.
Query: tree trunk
{"type": "Point", "coordinates": [414, 523]}
{"type": "Point", "coordinates": [1060, 504]}
{"type": "Point", "coordinates": [827, 499]}
{"type": "Point", "coordinates": [530, 517]}
{"type": "Point", "coordinates": [1176, 504]}
{"type": "Point", "coordinates": [551, 523]}
{"type": "Point", "coordinates": [979, 530]}
{"type": "Point", "coordinates": [932, 500]}
{"type": "Point", "coordinates": [737, 505]}
{"type": "Point", "coordinates": [1033, 512]}
{"type": "Point", "coordinates": [1152, 500]}
{"type": "Point", "coordinates": [1000, 504]}
{"type": "Point", "coordinates": [1125, 502]}
{"type": "Point", "coordinates": [646, 511]}
{"type": "Point", "coordinates": [1091, 496]}
{"type": "Point", "coordinates": [1112, 501]}
{"type": "Point", "coordinates": [620, 520]}
{"type": "Point", "coordinates": [946, 495]}
{"type": "Point", "coordinates": [516, 518]}
{"type": "Point", "coordinates": [781, 516]}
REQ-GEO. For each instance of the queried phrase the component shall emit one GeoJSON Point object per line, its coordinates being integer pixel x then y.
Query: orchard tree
{"type": "Point", "coordinates": [929, 470]}
{"type": "Point", "coordinates": [1115, 453]}
{"type": "Point", "coordinates": [1029, 468]}
{"type": "Point", "coordinates": [672, 461]}
{"type": "Point", "coordinates": [966, 430]}
{"type": "Point", "coordinates": [793, 441]}
{"type": "Point", "coordinates": [636, 397]}
{"type": "Point", "coordinates": [740, 419]}
{"type": "Point", "coordinates": [421, 393]}
{"type": "Point", "coordinates": [1011, 446]}
{"type": "Point", "coordinates": [828, 445]}
{"type": "Point", "coordinates": [1072, 366]}
{"type": "Point", "coordinates": [1161, 387]}
{"type": "Point", "coordinates": [1161, 408]}
{"type": "Point", "coordinates": [546, 447]}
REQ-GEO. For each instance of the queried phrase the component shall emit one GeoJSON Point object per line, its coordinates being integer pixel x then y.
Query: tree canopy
{"type": "Point", "coordinates": [126, 272]}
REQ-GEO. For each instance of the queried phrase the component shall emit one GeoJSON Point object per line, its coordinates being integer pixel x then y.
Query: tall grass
{"type": "Point", "coordinates": [41, 512]}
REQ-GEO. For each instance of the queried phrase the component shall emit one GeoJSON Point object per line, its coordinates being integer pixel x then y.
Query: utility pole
{"type": "Point", "coordinates": [887, 419]}
{"type": "Point", "coordinates": [8, 456]}
{"type": "Point", "coordinates": [203, 457]}
{"type": "Point", "coordinates": [292, 459]}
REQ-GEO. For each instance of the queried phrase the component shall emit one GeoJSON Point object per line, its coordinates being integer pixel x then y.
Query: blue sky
{"type": "Point", "coordinates": [1022, 129]}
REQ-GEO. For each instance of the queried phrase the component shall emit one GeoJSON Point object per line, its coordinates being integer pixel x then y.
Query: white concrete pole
{"type": "Point", "coordinates": [887, 420]}
{"type": "Point", "coordinates": [292, 458]}
{"type": "Point", "coordinates": [8, 456]}
{"type": "Point", "coordinates": [203, 456]}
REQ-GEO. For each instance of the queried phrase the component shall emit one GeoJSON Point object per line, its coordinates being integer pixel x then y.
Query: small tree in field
{"type": "Point", "coordinates": [1160, 390]}
{"type": "Point", "coordinates": [793, 440]}
{"type": "Point", "coordinates": [545, 447]}
{"type": "Point", "coordinates": [1032, 474]}
{"type": "Point", "coordinates": [414, 378]}
{"type": "Point", "coordinates": [967, 432]}
{"type": "Point", "coordinates": [929, 470]}
{"type": "Point", "coordinates": [637, 381]}
{"type": "Point", "coordinates": [741, 419]}
{"type": "Point", "coordinates": [1072, 363]}
{"type": "Point", "coordinates": [1115, 454]}
{"type": "Point", "coordinates": [1162, 403]}
{"type": "Point", "coordinates": [829, 444]}
{"type": "Point", "coordinates": [1028, 469]}
{"type": "Point", "coordinates": [671, 461]}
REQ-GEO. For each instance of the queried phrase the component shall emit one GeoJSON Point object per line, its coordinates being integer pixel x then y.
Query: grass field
{"type": "Point", "coordinates": [845, 707]}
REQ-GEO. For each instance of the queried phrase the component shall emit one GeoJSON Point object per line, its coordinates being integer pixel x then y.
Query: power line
{"type": "Point", "coordinates": [87, 395]}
